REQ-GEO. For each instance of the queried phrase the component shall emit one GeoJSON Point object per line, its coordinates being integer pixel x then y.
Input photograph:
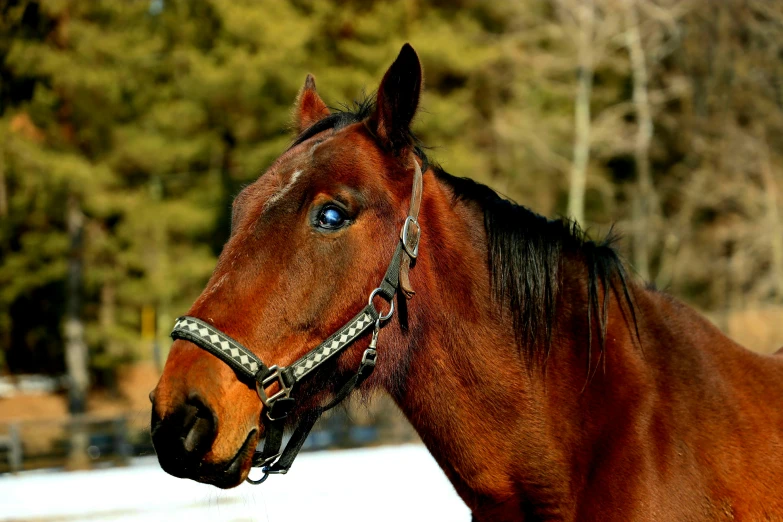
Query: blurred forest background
{"type": "Point", "coordinates": [126, 128]}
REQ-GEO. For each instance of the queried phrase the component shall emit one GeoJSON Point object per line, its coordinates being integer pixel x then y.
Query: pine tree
{"type": "Point", "coordinates": [148, 117]}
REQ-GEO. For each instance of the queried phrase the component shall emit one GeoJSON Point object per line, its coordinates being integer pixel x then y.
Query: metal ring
{"type": "Point", "coordinates": [257, 482]}
{"type": "Point", "coordinates": [390, 301]}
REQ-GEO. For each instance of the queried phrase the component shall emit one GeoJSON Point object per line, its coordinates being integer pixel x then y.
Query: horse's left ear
{"type": "Point", "coordinates": [397, 100]}
{"type": "Point", "coordinates": [309, 107]}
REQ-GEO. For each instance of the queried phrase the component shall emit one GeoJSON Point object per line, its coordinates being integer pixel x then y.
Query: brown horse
{"type": "Point", "coordinates": [547, 385]}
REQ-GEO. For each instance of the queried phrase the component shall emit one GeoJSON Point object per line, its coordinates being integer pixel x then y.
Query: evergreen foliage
{"type": "Point", "coordinates": [151, 115]}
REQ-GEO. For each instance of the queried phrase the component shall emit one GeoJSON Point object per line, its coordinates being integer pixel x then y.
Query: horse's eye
{"type": "Point", "coordinates": [331, 218]}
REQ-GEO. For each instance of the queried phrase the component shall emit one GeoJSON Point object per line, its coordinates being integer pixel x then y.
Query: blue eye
{"type": "Point", "coordinates": [331, 217]}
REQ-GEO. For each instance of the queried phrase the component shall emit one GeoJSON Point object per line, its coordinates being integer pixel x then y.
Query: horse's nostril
{"type": "Point", "coordinates": [198, 435]}
{"type": "Point", "coordinates": [200, 426]}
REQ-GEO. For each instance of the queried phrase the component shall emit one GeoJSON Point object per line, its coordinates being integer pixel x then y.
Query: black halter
{"type": "Point", "coordinates": [280, 403]}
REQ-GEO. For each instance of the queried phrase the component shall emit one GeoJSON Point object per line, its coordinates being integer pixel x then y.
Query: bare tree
{"type": "Point", "coordinates": [591, 25]}
{"type": "Point", "coordinates": [643, 201]}
{"type": "Point", "coordinates": [586, 29]}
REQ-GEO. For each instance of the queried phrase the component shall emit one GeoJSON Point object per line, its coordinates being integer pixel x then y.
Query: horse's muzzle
{"type": "Point", "coordinates": [184, 436]}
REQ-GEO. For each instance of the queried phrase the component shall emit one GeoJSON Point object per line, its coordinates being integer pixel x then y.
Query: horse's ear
{"type": "Point", "coordinates": [397, 100]}
{"type": "Point", "coordinates": [309, 107]}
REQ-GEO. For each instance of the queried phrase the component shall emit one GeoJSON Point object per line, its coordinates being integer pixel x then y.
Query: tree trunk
{"type": "Point", "coordinates": [576, 194]}
{"type": "Point", "coordinates": [644, 196]}
{"type": "Point", "coordinates": [75, 347]}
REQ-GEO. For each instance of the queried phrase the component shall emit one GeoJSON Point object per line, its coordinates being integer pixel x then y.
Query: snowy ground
{"type": "Point", "coordinates": [380, 484]}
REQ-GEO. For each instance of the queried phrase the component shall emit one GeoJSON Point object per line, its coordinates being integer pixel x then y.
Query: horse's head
{"type": "Point", "coordinates": [310, 240]}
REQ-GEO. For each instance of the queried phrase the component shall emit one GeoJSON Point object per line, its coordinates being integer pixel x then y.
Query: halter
{"type": "Point", "coordinates": [280, 403]}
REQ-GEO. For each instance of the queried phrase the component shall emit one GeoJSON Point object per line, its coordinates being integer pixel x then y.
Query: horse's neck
{"type": "Point", "coordinates": [460, 378]}
{"type": "Point", "coordinates": [511, 434]}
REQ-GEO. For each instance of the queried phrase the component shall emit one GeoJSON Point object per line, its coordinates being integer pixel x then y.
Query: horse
{"type": "Point", "coordinates": [546, 380]}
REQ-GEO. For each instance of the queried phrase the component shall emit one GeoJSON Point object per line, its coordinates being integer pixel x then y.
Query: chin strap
{"type": "Point", "coordinates": [280, 403]}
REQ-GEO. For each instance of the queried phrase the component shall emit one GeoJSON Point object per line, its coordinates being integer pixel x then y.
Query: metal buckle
{"type": "Point", "coordinates": [275, 376]}
{"type": "Point", "coordinates": [405, 234]}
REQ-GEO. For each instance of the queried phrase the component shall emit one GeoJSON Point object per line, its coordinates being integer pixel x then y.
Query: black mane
{"type": "Point", "coordinates": [526, 251]}
{"type": "Point", "coordinates": [526, 255]}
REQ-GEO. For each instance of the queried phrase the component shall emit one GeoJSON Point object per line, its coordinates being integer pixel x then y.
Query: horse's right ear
{"type": "Point", "coordinates": [397, 101]}
{"type": "Point", "coordinates": [309, 107]}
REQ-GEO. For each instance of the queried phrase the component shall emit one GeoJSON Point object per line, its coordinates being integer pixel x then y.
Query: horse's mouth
{"type": "Point", "coordinates": [232, 473]}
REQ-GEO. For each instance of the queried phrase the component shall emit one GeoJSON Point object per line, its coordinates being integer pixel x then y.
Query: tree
{"type": "Point", "coordinates": [665, 116]}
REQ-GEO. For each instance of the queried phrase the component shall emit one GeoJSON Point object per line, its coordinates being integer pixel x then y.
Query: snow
{"type": "Point", "coordinates": [390, 483]}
